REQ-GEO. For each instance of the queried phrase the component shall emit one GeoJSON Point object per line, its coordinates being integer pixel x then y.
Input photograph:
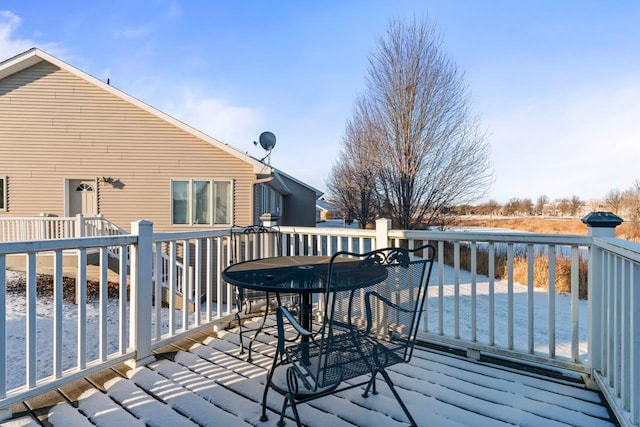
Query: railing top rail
{"type": "Point", "coordinates": [187, 235]}
{"type": "Point", "coordinates": [64, 244]}
{"type": "Point", "coordinates": [624, 248]}
{"type": "Point", "coordinates": [493, 236]}
{"type": "Point", "coordinates": [329, 231]}
{"type": "Point", "coordinates": [39, 218]}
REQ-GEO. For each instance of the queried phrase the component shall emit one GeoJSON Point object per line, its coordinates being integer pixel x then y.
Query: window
{"type": "Point", "coordinates": [3, 193]}
{"type": "Point", "coordinates": [201, 202]}
{"type": "Point", "coordinates": [271, 200]}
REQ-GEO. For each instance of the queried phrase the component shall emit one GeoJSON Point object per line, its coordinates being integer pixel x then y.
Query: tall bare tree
{"type": "Point", "coordinates": [541, 201]}
{"type": "Point", "coordinates": [632, 200]}
{"type": "Point", "coordinates": [353, 176]}
{"type": "Point", "coordinates": [430, 153]}
{"type": "Point", "coordinates": [575, 203]}
{"type": "Point", "coordinates": [613, 200]}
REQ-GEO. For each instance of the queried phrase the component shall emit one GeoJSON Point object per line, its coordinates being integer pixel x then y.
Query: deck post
{"type": "Point", "coordinates": [383, 226]}
{"type": "Point", "coordinates": [79, 226]}
{"type": "Point", "coordinates": [600, 224]}
{"type": "Point", "coordinates": [141, 295]}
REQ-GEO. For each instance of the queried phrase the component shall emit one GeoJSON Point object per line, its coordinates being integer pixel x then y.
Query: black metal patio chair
{"type": "Point", "coordinates": [373, 303]}
{"type": "Point", "coordinates": [247, 243]}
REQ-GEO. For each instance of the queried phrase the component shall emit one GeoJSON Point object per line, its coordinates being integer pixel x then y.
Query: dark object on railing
{"type": "Point", "coordinates": [253, 242]}
{"type": "Point", "coordinates": [368, 325]}
{"type": "Point", "coordinates": [602, 219]}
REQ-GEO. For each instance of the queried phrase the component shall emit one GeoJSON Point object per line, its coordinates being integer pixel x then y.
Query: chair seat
{"type": "Point", "coordinates": [349, 354]}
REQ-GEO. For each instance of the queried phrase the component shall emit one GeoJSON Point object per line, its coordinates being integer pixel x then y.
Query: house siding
{"type": "Point", "coordinates": [56, 126]}
{"type": "Point", "coordinates": [299, 207]}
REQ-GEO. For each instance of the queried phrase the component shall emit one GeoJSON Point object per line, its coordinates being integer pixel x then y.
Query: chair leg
{"type": "Point", "coordinates": [263, 416]}
{"type": "Point", "coordinates": [294, 408]}
{"type": "Point", "coordinates": [372, 382]}
{"type": "Point", "coordinates": [240, 331]}
{"type": "Point", "coordinates": [253, 338]}
{"type": "Point", "coordinates": [387, 379]}
{"type": "Point", "coordinates": [283, 411]}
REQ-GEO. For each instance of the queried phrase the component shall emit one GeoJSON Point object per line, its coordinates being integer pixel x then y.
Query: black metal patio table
{"type": "Point", "coordinates": [304, 275]}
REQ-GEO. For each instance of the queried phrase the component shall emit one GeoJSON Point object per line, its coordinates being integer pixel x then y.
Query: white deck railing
{"type": "Point", "coordinates": [466, 309]}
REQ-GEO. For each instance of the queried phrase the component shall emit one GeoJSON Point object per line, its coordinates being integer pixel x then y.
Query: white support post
{"type": "Point", "coordinates": [382, 233]}
{"type": "Point", "coordinates": [141, 279]}
{"type": "Point", "coordinates": [600, 224]}
{"type": "Point", "coordinates": [79, 225]}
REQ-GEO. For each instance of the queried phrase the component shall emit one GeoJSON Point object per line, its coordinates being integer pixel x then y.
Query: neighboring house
{"type": "Point", "coordinates": [71, 144]}
{"type": "Point", "coordinates": [326, 209]}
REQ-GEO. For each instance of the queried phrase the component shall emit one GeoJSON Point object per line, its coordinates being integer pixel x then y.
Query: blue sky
{"type": "Point", "coordinates": [556, 84]}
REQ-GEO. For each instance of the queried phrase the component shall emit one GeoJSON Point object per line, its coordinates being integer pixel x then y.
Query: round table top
{"type": "Point", "coordinates": [301, 274]}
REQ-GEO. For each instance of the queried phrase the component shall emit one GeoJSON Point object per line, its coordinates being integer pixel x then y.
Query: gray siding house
{"type": "Point", "coordinates": [71, 144]}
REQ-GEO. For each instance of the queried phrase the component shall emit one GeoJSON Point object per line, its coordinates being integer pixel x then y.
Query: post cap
{"type": "Point", "coordinates": [268, 216]}
{"type": "Point", "coordinates": [602, 219]}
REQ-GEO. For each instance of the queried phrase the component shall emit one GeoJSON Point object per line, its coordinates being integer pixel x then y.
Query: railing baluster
{"type": "Point", "coordinates": [441, 287]}
{"type": "Point", "coordinates": [173, 278]}
{"type": "Point", "coordinates": [122, 298]}
{"type": "Point", "coordinates": [57, 314]}
{"type": "Point", "coordinates": [3, 326]}
{"type": "Point", "coordinates": [530, 298]}
{"type": "Point", "coordinates": [31, 320]}
{"type": "Point", "coordinates": [197, 293]}
{"type": "Point", "coordinates": [551, 298]}
{"type": "Point", "coordinates": [510, 296]}
{"type": "Point", "coordinates": [81, 303]}
{"type": "Point", "coordinates": [157, 294]}
{"type": "Point", "coordinates": [492, 298]}
{"type": "Point", "coordinates": [625, 334]}
{"type": "Point", "coordinates": [634, 351]}
{"type": "Point", "coordinates": [219, 280]}
{"type": "Point", "coordinates": [103, 301]}
{"type": "Point", "coordinates": [186, 280]}
{"type": "Point", "coordinates": [474, 269]}
{"type": "Point", "coordinates": [456, 288]}
{"type": "Point", "coordinates": [575, 296]}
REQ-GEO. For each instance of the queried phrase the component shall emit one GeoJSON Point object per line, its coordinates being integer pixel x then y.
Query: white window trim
{"type": "Point", "coordinates": [212, 204]}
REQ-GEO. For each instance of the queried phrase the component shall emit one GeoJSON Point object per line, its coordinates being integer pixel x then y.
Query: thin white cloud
{"type": "Point", "coordinates": [132, 33]}
{"type": "Point", "coordinates": [233, 125]}
{"type": "Point", "coordinates": [11, 45]}
{"type": "Point", "coordinates": [174, 10]}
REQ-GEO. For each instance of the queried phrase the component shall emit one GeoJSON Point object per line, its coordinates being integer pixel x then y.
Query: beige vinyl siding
{"type": "Point", "coordinates": [54, 125]}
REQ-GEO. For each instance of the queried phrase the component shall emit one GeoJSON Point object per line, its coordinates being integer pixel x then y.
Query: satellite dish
{"type": "Point", "coordinates": [267, 140]}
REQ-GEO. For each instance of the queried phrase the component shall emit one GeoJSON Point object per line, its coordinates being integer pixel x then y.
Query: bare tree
{"type": "Point", "coordinates": [613, 200]}
{"type": "Point", "coordinates": [563, 205]}
{"type": "Point", "coordinates": [632, 200]}
{"type": "Point", "coordinates": [430, 153]}
{"type": "Point", "coordinates": [353, 177]}
{"type": "Point", "coordinates": [575, 204]}
{"type": "Point", "coordinates": [540, 204]}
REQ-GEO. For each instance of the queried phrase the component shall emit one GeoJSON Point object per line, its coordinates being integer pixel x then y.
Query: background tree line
{"type": "Point", "coordinates": [624, 203]}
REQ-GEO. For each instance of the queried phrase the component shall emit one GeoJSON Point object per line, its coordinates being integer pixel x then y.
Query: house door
{"type": "Point", "coordinates": [82, 197]}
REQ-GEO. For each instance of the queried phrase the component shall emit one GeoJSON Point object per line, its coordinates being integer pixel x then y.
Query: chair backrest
{"type": "Point", "coordinates": [380, 294]}
{"type": "Point", "coordinates": [253, 242]}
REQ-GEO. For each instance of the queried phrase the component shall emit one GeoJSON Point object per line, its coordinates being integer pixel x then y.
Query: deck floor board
{"type": "Point", "coordinates": [204, 380]}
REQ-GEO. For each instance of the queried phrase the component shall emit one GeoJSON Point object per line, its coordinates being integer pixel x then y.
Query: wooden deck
{"type": "Point", "coordinates": [203, 380]}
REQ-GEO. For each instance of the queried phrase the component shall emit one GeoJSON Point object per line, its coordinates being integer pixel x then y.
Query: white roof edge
{"type": "Point", "coordinates": [318, 192]}
{"type": "Point", "coordinates": [27, 59]}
